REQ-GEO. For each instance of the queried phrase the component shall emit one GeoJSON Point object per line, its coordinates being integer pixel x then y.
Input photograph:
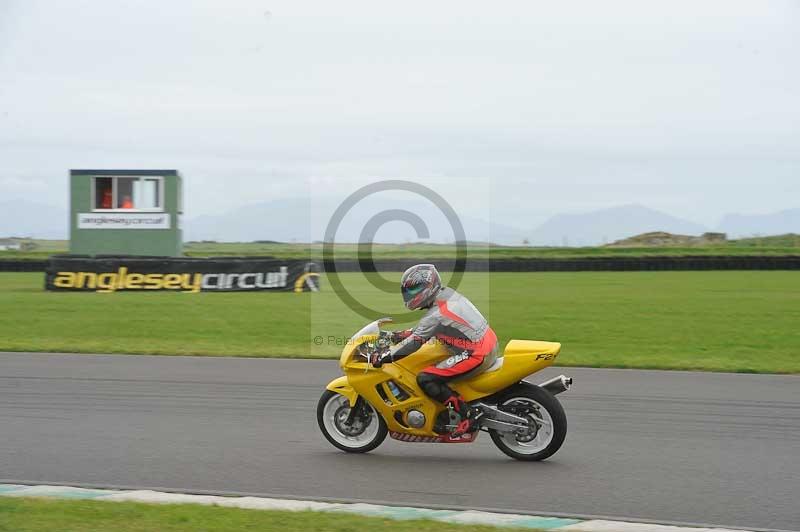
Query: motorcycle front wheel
{"type": "Point", "coordinates": [365, 432]}
{"type": "Point", "coordinates": [547, 423]}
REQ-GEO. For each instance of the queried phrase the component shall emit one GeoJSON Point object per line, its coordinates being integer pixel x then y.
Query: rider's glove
{"type": "Point", "coordinates": [376, 360]}
{"type": "Point", "coordinates": [399, 336]}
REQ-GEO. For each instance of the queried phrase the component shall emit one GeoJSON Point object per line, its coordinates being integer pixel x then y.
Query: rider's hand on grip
{"type": "Point", "coordinates": [399, 336]}
{"type": "Point", "coordinates": [376, 359]}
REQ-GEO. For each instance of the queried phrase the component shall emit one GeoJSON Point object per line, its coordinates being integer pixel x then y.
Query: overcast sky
{"type": "Point", "coordinates": [688, 107]}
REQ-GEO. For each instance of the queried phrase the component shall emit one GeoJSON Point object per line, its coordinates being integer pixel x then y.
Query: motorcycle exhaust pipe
{"type": "Point", "coordinates": [556, 385]}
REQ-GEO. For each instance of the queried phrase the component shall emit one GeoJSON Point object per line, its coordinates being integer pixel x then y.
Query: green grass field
{"type": "Point", "coordinates": [48, 515]}
{"type": "Point", "coordinates": [771, 245]}
{"type": "Point", "coordinates": [721, 321]}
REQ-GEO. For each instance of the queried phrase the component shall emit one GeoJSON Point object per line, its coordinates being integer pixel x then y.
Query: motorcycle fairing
{"type": "Point", "coordinates": [444, 438]}
{"type": "Point", "coordinates": [520, 359]}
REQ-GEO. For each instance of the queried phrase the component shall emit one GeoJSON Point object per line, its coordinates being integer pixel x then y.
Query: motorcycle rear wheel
{"type": "Point", "coordinates": [363, 435]}
{"type": "Point", "coordinates": [547, 418]}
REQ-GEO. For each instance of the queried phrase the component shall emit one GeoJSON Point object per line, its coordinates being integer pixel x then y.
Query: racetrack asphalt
{"type": "Point", "coordinates": [710, 448]}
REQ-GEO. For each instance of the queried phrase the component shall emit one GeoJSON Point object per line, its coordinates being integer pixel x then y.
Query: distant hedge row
{"type": "Point", "coordinates": [588, 264]}
{"type": "Point", "coordinates": [666, 263]}
{"type": "Point", "coordinates": [22, 265]}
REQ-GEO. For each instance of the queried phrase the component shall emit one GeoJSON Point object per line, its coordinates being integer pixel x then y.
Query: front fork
{"type": "Point", "coordinates": [354, 411]}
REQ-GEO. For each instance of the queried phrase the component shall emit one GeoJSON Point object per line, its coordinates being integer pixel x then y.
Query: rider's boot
{"type": "Point", "coordinates": [467, 423]}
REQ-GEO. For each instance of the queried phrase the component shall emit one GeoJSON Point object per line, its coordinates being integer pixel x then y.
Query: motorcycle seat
{"type": "Point", "coordinates": [531, 347]}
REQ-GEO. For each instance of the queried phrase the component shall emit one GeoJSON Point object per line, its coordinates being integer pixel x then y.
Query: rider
{"type": "Point", "coordinates": [453, 320]}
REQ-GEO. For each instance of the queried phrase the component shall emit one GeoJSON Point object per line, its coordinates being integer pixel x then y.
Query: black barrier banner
{"type": "Point", "coordinates": [528, 264]}
{"type": "Point", "coordinates": [113, 274]}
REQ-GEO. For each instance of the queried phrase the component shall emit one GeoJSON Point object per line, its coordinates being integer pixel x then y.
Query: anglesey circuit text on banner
{"type": "Point", "coordinates": [122, 279]}
{"type": "Point", "coordinates": [112, 274]}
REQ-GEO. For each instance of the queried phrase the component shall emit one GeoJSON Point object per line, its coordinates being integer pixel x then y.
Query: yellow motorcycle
{"type": "Point", "coordinates": [525, 421]}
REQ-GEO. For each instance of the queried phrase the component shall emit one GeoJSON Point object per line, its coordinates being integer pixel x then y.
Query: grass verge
{"type": "Point", "coordinates": [46, 515]}
{"type": "Point", "coordinates": [720, 321]}
{"type": "Point", "coordinates": [771, 245]}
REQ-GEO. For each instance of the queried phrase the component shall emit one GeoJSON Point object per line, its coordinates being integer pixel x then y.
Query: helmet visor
{"type": "Point", "coordinates": [412, 291]}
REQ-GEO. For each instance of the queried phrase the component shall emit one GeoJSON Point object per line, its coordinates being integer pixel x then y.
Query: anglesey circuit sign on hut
{"type": "Point", "coordinates": [125, 212]}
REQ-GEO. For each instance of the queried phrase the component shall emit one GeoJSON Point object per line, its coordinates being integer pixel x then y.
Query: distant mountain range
{"type": "Point", "coordinates": [296, 220]}
{"type": "Point", "coordinates": [301, 220]}
{"type": "Point", "coordinates": [606, 225]}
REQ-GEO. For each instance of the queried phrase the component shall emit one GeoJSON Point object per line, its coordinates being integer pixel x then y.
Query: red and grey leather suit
{"type": "Point", "coordinates": [453, 320]}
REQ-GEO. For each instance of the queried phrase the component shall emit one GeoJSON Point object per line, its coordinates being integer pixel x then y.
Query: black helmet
{"type": "Point", "coordinates": [419, 286]}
